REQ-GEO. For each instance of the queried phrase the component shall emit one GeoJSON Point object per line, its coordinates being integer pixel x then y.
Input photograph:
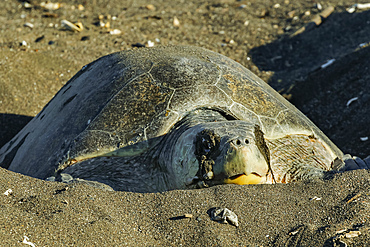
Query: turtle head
{"type": "Point", "coordinates": [223, 152]}
{"type": "Point", "coordinates": [231, 152]}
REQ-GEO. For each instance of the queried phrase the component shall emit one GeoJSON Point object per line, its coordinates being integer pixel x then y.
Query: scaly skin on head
{"type": "Point", "coordinates": [217, 153]}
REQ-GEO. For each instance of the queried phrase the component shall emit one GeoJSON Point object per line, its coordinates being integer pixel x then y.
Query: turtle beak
{"type": "Point", "coordinates": [243, 179]}
{"type": "Point", "coordinates": [242, 163]}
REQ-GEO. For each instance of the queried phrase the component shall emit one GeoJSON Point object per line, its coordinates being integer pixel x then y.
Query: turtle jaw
{"type": "Point", "coordinates": [244, 179]}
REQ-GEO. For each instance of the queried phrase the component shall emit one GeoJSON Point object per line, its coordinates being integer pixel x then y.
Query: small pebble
{"type": "Point", "coordinates": [150, 7]}
{"type": "Point", "coordinates": [40, 38]}
{"type": "Point", "coordinates": [84, 38]}
{"type": "Point", "coordinates": [138, 45]}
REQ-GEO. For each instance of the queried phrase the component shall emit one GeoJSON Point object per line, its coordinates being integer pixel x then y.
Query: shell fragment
{"type": "Point", "coordinates": [224, 215]}
{"type": "Point", "coordinates": [77, 27]}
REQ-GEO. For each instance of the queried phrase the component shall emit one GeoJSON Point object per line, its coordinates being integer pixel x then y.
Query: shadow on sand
{"type": "Point", "coordinates": [324, 94]}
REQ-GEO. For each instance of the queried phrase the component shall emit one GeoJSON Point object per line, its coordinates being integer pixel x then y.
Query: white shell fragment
{"type": "Point", "coordinates": [224, 215]}
{"type": "Point", "coordinates": [351, 100]}
{"type": "Point", "coordinates": [150, 43]}
{"type": "Point", "coordinates": [28, 24]}
{"type": "Point", "coordinates": [364, 139]}
{"type": "Point", "coordinates": [329, 62]}
{"type": "Point", "coordinates": [188, 216]}
{"type": "Point", "coordinates": [115, 32]}
{"type": "Point", "coordinates": [77, 27]}
{"type": "Point", "coordinates": [340, 231]}
{"type": "Point", "coordinates": [25, 241]}
{"type": "Point", "coordinates": [50, 6]}
{"type": "Point", "coordinates": [176, 22]}
{"type": "Point", "coordinates": [315, 198]}
{"type": "Point", "coordinates": [358, 6]}
{"type": "Point", "coordinates": [352, 234]}
{"type": "Point", "coordinates": [8, 192]}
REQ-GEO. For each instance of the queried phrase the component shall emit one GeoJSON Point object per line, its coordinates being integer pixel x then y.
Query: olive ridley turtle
{"type": "Point", "coordinates": [175, 117]}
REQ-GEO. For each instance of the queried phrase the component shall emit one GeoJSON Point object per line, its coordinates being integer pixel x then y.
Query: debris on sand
{"type": "Point", "coordinates": [358, 6]}
{"type": "Point", "coordinates": [76, 27]}
{"type": "Point", "coordinates": [316, 21]}
{"type": "Point", "coordinates": [8, 192]}
{"type": "Point", "coordinates": [224, 216]}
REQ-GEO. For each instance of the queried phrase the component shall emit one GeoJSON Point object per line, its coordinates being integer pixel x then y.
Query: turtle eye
{"type": "Point", "coordinates": [206, 145]}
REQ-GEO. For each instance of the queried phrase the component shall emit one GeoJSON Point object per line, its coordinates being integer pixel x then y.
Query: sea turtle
{"type": "Point", "coordinates": [175, 117]}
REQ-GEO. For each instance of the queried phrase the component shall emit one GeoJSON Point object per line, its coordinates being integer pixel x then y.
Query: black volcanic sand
{"type": "Point", "coordinates": [259, 36]}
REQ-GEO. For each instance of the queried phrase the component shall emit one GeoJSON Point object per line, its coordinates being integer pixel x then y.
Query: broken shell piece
{"type": "Point", "coordinates": [329, 62]}
{"type": "Point", "coordinates": [77, 27]}
{"type": "Point", "coordinates": [25, 241]}
{"type": "Point", "coordinates": [176, 22]}
{"type": "Point", "coordinates": [26, 5]}
{"type": "Point", "coordinates": [115, 32]}
{"type": "Point", "coordinates": [28, 24]}
{"type": "Point", "coordinates": [50, 6]}
{"type": "Point", "coordinates": [8, 192]}
{"type": "Point", "coordinates": [358, 6]}
{"type": "Point", "coordinates": [340, 231]}
{"type": "Point", "coordinates": [223, 215]}
{"type": "Point", "coordinates": [364, 139]}
{"type": "Point", "coordinates": [150, 43]}
{"type": "Point", "coordinates": [188, 216]}
{"type": "Point", "coordinates": [352, 234]}
{"type": "Point", "coordinates": [351, 100]}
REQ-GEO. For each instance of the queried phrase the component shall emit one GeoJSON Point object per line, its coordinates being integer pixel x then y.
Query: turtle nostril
{"type": "Point", "coordinates": [246, 141]}
{"type": "Point", "coordinates": [238, 142]}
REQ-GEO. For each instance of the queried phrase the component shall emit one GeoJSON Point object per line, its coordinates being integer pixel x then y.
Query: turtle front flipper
{"type": "Point", "coordinates": [298, 157]}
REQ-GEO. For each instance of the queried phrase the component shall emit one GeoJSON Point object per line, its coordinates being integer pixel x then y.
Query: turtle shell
{"type": "Point", "coordinates": [132, 96]}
